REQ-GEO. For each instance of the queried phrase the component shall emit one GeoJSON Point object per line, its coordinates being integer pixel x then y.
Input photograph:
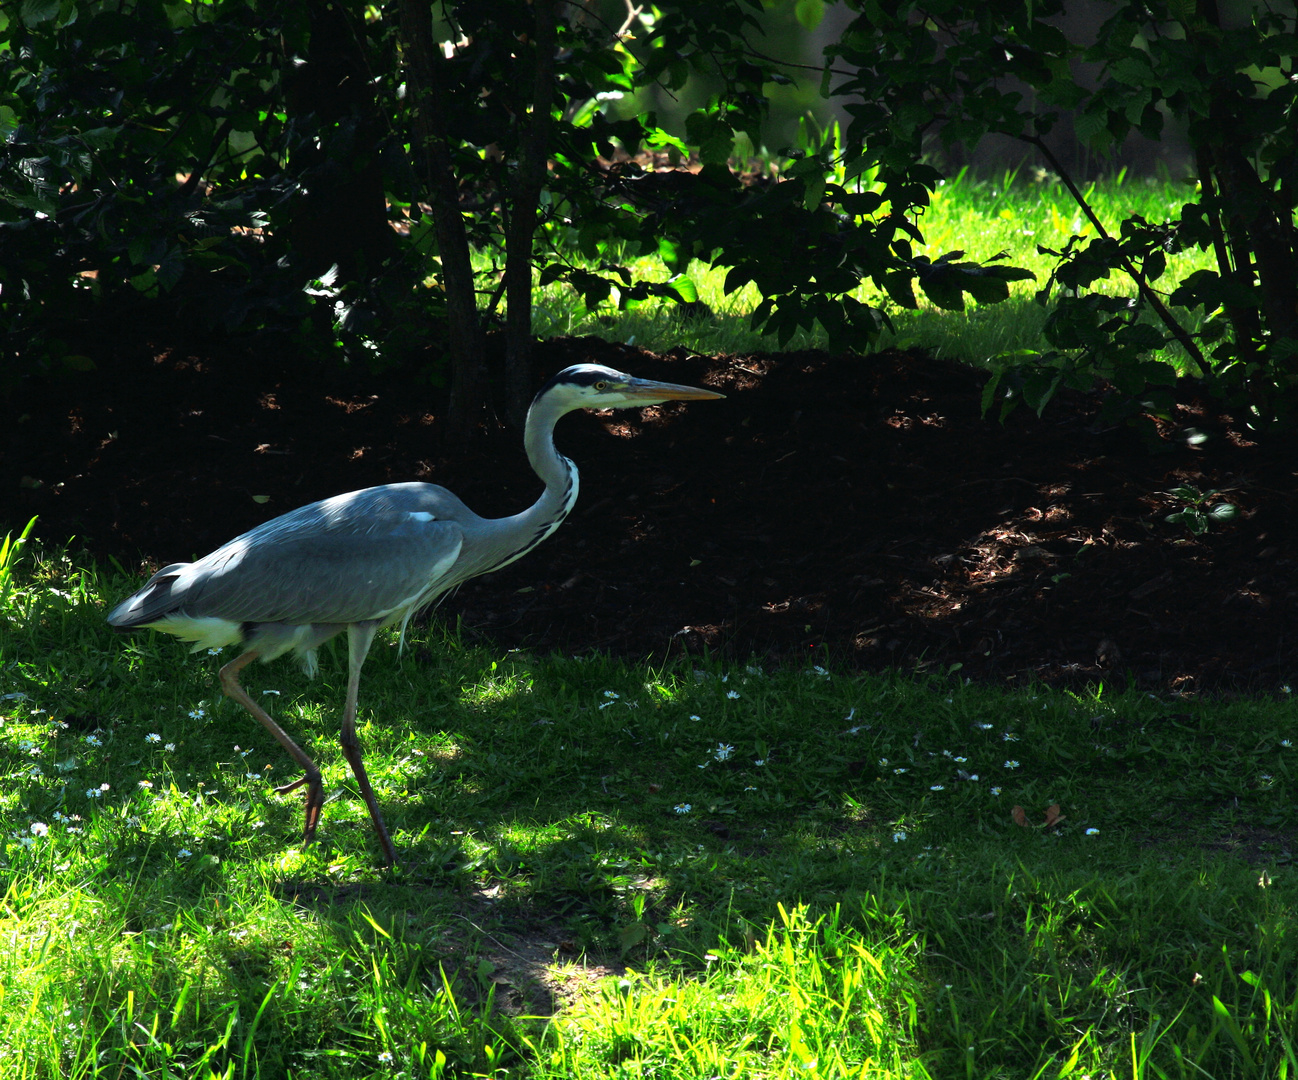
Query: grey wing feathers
{"type": "Point", "coordinates": [348, 559]}
{"type": "Point", "coordinates": [149, 603]}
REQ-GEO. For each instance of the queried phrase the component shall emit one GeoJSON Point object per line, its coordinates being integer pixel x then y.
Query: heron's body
{"type": "Point", "coordinates": [379, 554]}
{"type": "Point", "coordinates": [367, 559]}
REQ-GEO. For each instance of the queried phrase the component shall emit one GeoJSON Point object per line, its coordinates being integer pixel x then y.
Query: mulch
{"type": "Point", "coordinates": [833, 509]}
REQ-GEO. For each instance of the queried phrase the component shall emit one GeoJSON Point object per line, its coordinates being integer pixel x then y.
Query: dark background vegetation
{"type": "Point", "coordinates": [235, 275]}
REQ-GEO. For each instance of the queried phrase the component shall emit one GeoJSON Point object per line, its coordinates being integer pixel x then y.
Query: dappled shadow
{"type": "Point", "coordinates": [858, 509]}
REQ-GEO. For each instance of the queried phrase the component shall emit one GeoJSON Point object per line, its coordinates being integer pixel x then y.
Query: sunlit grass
{"type": "Point", "coordinates": [1015, 213]}
{"type": "Point", "coordinates": [814, 997]}
{"type": "Point", "coordinates": [611, 869]}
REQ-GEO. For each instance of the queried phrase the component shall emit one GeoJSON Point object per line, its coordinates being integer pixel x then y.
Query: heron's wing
{"type": "Point", "coordinates": [366, 555]}
{"type": "Point", "coordinates": [329, 579]}
{"type": "Point", "coordinates": [151, 602]}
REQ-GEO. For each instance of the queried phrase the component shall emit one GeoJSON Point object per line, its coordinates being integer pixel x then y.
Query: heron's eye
{"type": "Point", "coordinates": [601, 386]}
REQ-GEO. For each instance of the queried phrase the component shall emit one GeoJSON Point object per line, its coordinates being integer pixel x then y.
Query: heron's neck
{"type": "Point", "coordinates": [524, 531]}
{"type": "Point", "coordinates": [556, 471]}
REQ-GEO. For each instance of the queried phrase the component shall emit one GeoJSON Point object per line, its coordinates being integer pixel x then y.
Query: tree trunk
{"type": "Point", "coordinates": [341, 215]}
{"type": "Point", "coordinates": [464, 331]}
{"type": "Point", "coordinates": [1259, 226]}
{"type": "Point", "coordinates": [529, 179]}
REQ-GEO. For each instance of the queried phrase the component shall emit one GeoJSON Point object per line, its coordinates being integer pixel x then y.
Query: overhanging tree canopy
{"type": "Point", "coordinates": [222, 156]}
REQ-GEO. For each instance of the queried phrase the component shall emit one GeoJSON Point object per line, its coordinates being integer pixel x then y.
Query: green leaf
{"type": "Point", "coordinates": [943, 288]}
{"type": "Point", "coordinates": [1134, 109]}
{"type": "Point", "coordinates": [675, 256]}
{"type": "Point", "coordinates": [632, 935]}
{"type": "Point", "coordinates": [171, 268]}
{"type": "Point", "coordinates": [1064, 92]}
{"type": "Point", "coordinates": [989, 392]}
{"type": "Point", "coordinates": [900, 288]}
{"type": "Point", "coordinates": [1191, 518]}
{"type": "Point", "coordinates": [803, 168]}
{"type": "Point", "coordinates": [986, 290]}
{"type": "Point", "coordinates": [1214, 330]}
{"type": "Point", "coordinates": [145, 282]}
{"type": "Point", "coordinates": [718, 149]}
{"type": "Point", "coordinates": [590, 241]}
{"type": "Point", "coordinates": [712, 135]}
{"type": "Point", "coordinates": [859, 165]}
{"type": "Point", "coordinates": [809, 13]}
{"type": "Point", "coordinates": [47, 207]}
{"type": "Point", "coordinates": [685, 289]}
{"type": "Point", "coordinates": [862, 205]}
{"type": "Point", "coordinates": [736, 278]}
{"type": "Point", "coordinates": [813, 192]}
{"type": "Point", "coordinates": [142, 249]}
{"type": "Point", "coordinates": [1134, 70]}
{"type": "Point", "coordinates": [1090, 125]}
{"type": "Point", "coordinates": [1040, 387]}
{"type": "Point", "coordinates": [35, 12]}
{"type": "Point", "coordinates": [100, 138]}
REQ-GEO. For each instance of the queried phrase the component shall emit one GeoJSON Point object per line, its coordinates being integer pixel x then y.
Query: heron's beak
{"type": "Point", "coordinates": [648, 392]}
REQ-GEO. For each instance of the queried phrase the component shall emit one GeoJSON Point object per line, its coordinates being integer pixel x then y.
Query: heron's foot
{"type": "Point", "coordinates": [284, 789]}
{"type": "Point", "coordinates": [314, 784]}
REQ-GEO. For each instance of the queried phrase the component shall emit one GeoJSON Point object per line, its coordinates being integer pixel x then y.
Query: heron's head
{"type": "Point", "coordinates": [593, 386]}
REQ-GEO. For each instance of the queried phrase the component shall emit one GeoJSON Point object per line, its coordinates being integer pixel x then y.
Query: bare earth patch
{"type": "Point", "coordinates": [855, 510]}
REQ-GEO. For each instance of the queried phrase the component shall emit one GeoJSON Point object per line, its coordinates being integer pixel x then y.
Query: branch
{"type": "Point", "coordinates": [632, 14]}
{"type": "Point", "coordinates": [429, 99]}
{"type": "Point", "coordinates": [529, 178]}
{"type": "Point", "coordinates": [1148, 294]}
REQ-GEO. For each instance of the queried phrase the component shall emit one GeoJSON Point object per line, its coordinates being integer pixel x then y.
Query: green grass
{"type": "Point", "coordinates": [1013, 214]}
{"type": "Point", "coordinates": [616, 870]}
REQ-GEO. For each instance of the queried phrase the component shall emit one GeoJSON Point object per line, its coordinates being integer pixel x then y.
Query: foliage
{"type": "Point", "coordinates": [139, 151]}
{"type": "Point", "coordinates": [1015, 211]}
{"type": "Point", "coordinates": [185, 164]}
{"type": "Point", "coordinates": [1197, 515]}
{"type": "Point", "coordinates": [807, 238]}
{"type": "Point", "coordinates": [1228, 81]}
{"type": "Point", "coordinates": [205, 155]}
{"type": "Point", "coordinates": [11, 550]}
{"type": "Point", "coordinates": [177, 143]}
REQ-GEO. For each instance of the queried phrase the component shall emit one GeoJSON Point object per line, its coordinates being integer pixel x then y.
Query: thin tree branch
{"type": "Point", "coordinates": [1147, 293]}
{"type": "Point", "coordinates": [468, 366]}
{"type": "Point", "coordinates": [529, 178]}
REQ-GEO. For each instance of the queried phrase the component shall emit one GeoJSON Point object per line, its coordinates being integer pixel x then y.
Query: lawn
{"type": "Point", "coordinates": [616, 870]}
{"type": "Point", "coordinates": [613, 869]}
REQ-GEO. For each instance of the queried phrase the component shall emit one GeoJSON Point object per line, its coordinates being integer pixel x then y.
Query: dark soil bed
{"type": "Point", "coordinates": [831, 508]}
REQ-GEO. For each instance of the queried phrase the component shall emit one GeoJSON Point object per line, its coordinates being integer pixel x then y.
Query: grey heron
{"type": "Point", "coordinates": [364, 560]}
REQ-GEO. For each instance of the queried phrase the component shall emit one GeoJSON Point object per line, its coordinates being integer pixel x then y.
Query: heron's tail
{"type": "Point", "coordinates": [154, 601]}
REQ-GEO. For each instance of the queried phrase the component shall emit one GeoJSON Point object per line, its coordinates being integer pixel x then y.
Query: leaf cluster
{"type": "Point", "coordinates": [956, 71]}
{"type": "Point", "coordinates": [143, 144]}
{"type": "Point", "coordinates": [156, 151]}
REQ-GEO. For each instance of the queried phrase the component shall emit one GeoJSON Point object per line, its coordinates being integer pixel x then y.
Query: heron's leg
{"type": "Point", "coordinates": [359, 637]}
{"type": "Point", "coordinates": [312, 779]}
